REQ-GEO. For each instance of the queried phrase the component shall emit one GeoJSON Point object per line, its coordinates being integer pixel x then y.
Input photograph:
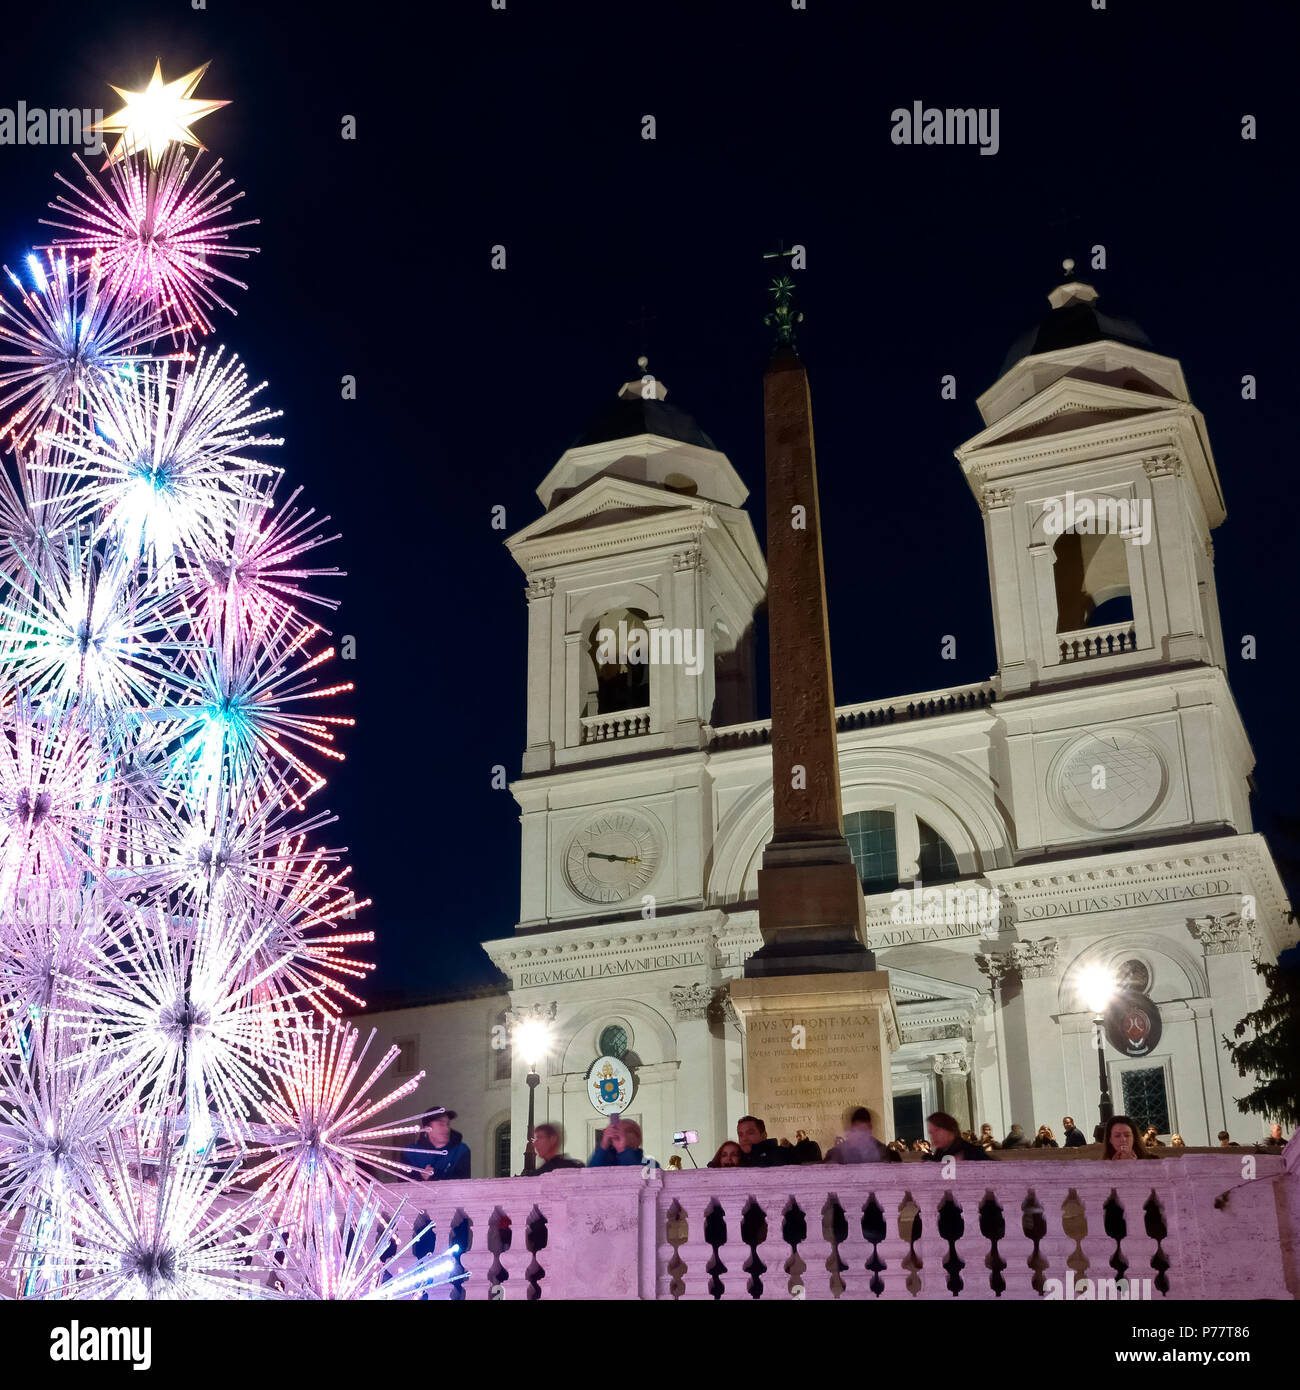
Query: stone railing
{"type": "Point", "coordinates": [899, 709]}
{"type": "Point", "coordinates": [596, 728]}
{"type": "Point", "coordinates": [1014, 1231]}
{"type": "Point", "coordinates": [1097, 641]}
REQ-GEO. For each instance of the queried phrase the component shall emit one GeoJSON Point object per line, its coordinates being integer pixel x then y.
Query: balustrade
{"type": "Point", "coordinates": [1002, 1230]}
{"type": "Point", "coordinates": [597, 728]}
{"type": "Point", "coordinates": [1097, 641]}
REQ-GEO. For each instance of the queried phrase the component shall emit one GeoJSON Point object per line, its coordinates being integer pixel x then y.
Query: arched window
{"type": "Point", "coordinates": [1092, 584]}
{"type": "Point", "coordinates": [501, 1059]}
{"type": "Point", "coordinates": [618, 647]}
{"type": "Point", "coordinates": [874, 847]}
{"type": "Point", "coordinates": [501, 1150]}
{"type": "Point", "coordinates": [936, 863]}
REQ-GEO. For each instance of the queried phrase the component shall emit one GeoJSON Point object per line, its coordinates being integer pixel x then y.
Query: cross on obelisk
{"type": "Point", "coordinates": [783, 318]}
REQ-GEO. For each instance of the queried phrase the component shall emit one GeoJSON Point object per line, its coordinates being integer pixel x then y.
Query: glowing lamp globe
{"type": "Point", "coordinates": [1096, 987]}
{"type": "Point", "coordinates": [532, 1040]}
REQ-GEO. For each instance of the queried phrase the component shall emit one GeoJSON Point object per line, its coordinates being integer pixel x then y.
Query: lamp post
{"type": "Point", "coordinates": [530, 1149]}
{"type": "Point", "coordinates": [532, 1036]}
{"type": "Point", "coordinates": [1097, 986]}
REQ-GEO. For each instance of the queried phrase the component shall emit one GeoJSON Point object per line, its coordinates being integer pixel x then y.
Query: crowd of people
{"type": "Point", "coordinates": [440, 1152]}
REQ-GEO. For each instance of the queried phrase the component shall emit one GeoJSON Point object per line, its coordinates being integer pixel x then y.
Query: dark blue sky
{"type": "Point", "coordinates": [523, 127]}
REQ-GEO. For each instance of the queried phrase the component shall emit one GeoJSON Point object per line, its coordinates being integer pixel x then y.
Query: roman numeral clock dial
{"type": "Point", "coordinates": [611, 857]}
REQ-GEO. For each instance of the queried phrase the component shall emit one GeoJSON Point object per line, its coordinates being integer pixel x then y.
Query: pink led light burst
{"type": "Point", "coordinates": [160, 232]}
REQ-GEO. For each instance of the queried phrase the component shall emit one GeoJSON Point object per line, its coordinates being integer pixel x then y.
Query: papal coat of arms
{"type": "Point", "coordinates": [610, 1085]}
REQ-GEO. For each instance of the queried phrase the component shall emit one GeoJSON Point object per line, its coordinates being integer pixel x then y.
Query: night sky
{"type": "Point", "coordinates": [475, 127]}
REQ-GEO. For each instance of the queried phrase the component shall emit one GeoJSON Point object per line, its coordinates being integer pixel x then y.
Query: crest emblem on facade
{"type": "Point", "coordinates": [1133, 1025]}
{"type": "Point", "coordinates": [609, 1085]}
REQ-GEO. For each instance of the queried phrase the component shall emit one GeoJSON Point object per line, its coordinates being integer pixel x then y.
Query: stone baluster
{"type": "Point", "coordinates": [693, 1198]}
{"type": "Point", "coordinates": [762, 1222]}
{"type": "Point", "coordinates": [468, 1220]}
{"type": "Point", "coordinates": [1016, 1248]}
{"type": "Point", "coordinates": [893, 1250]}
{"type": "Point", "coordinates": [854, 1251]}
{"type": "Point", "coordinates": [814, 1249]}
{"type": "Point", "coordinates": [931, 1248]}
{"type": "Point", "coordinates": [507, 1229]}
{"type": "Point", "coordinates": [1136, 1246]}
{"type": "Point", "coordinates": [733, 1252]}
{"type": "Point", "coordinates": [1075, 1218]}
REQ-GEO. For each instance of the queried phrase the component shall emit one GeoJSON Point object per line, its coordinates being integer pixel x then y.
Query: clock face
{"type": "Point", "coordinates": [1111, 779]}
{"type": "Point", "coordinates": [611, 857]}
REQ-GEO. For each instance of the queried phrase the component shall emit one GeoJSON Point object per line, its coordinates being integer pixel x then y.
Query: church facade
{"type": "Point", "coordinates": [1088, 805]}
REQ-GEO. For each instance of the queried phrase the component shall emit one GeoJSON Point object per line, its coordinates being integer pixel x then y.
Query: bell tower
{"type": "Point", "coordinates": [643, 578]}
{"type": "Point", "coordinates": [1099, 492]}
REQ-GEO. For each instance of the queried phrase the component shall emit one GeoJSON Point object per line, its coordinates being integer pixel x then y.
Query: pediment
{"type": "Point", "coordinates": [609, 501]}
{"type": "Point", "coordinates": [923, 994]}
{"type": "Point", "coordinates": [1070, 404]}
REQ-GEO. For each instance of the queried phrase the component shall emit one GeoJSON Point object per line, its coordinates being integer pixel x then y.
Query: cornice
{"type": "Point", "coordinates": [1046, 882]}
{"type": "Point", "coordinates": [1053, 449]}
{"type": "Point", "coordinates": [657, 529]}
{"type": "Point", "coordinates": [579, 943]}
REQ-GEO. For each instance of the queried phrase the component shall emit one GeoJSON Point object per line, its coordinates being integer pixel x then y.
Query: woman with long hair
{"type": "Point", "coordinates": [728, 1156]}
{"type": "Point", "coordinates": [1120, 1139]}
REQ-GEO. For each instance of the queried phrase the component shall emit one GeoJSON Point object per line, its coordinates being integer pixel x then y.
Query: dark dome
{"type": "Point", "coordinates": [1071, 325]}
{"type": "Point", "coordinates": [628, 416]}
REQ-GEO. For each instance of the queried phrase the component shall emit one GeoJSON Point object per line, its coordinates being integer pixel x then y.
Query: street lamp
{"type": "Point", "coordinates": [1097, 987]}
{"type": "Point", "coordinates": [532, 1037]}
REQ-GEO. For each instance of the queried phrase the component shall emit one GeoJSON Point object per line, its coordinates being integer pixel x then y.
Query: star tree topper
{"type": "Point", "coordinates": [162, 113]}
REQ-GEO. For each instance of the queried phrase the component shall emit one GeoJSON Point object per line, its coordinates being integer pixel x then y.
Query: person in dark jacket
{"type": "Point", "coordinates": [1073, 1137]}
{"type": "Point", "coordinates": [858, 1144]}
{"type": "Point", "coordinates": [1015, 1139]}
{"type": "Point", "coordinates": [1045, 1139]}
{"type": "Point", "coordinates": [806, 1150]}
{"type": "Point", "coordinates": [619, 1146]}
{"type": "Point", "coordinates": [548, 1141]}
{"type": "Point", "coordinates": [1275, 1143]}
{"type": "Point", "coordinates": [756, 1149]}
{"type": "Point", "coordinates": [440, 1151]}
{"type": "Point", "coordinates": [946, 1140]}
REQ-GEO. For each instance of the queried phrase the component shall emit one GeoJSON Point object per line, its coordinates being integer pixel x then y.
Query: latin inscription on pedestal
{"type": "Point", "coordinates": [813, 1055]}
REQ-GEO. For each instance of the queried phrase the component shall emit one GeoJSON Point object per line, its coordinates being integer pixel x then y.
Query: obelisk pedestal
{"type": "Point", "coordinates": [819, 1019]}
{"type": "Point", "coordinates": [817, 1047]}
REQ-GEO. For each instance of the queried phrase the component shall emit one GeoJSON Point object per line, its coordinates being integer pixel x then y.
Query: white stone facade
{"type": "Point", "coordinates": [1098, 783]}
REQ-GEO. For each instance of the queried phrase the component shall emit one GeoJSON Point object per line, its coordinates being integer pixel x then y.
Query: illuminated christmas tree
{"type": "Point", "coordinates": [181, 1114]}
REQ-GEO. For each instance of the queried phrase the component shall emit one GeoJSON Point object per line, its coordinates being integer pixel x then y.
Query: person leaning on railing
{"type": "Point", "coordinates": [619, 1146]}
{"type": "Point", "coordinates": [946, 1140]}
{"type": "Point", "coordinates": [858, 1144]}
{"type": "Point", "coordinates": [1120, 1139]}
{"type": "Point", "coordinates": [548, 1144]}
{"type": "Point", "coordinates": [440, 1152]}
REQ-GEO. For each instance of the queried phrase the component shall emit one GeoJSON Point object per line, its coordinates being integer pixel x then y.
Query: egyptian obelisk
{"type": "Point", "coordinates": [819, 1018]}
